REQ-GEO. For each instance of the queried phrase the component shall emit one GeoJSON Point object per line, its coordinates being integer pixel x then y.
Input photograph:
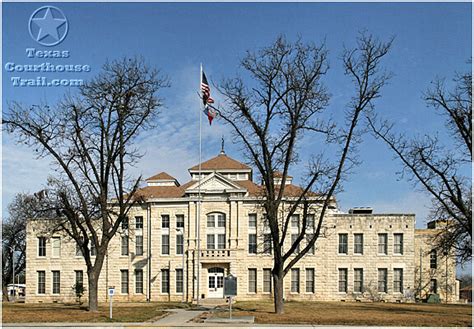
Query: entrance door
{"type": "Point", "coordinates": [215, 282]}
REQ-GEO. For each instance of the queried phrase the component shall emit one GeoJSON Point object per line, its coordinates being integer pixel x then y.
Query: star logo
{"type": "Point", "coordinates": [48, 26]}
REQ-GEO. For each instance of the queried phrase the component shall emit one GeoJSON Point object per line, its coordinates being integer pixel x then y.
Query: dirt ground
{"type": "Point", "coordinates": [360, 314]}
{"type": "Point", "coordinates": [122, 312]}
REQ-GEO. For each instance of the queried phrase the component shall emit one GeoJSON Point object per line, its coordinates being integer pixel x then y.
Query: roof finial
{"type": "Point", "coordinates": [222, 146]}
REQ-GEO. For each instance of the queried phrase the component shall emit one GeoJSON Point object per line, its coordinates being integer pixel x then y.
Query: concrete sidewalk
{"type": "Point", "coordinates": [178, 317]}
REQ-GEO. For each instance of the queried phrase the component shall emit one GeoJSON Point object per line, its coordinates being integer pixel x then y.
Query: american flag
{"type": "Point", "coordinates": [206, 91]}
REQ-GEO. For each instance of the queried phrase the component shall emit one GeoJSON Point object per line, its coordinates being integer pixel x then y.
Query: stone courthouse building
{"type": "Point", "coordinates": [362, 255]}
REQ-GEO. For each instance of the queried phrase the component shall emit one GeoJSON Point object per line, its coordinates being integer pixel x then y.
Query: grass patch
{"type": "Point", "coordinates": [122, 312]}
{"type": "Point", "coordinates": [356, 314]}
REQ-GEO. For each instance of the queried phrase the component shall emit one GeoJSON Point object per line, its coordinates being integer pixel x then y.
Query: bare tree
{"type": "Point", "coordinates": [465, 280]}
{"type": "Point", "coordinates": [438, 167]}
{"type": "Point", "coordinates": [90, 138]}
{"type": "Point", "coordinates": [22, 207]}
{"type": "Point", "coordinates": [269, 115]}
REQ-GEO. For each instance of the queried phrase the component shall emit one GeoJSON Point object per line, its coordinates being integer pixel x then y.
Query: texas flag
{"type": "Point", "coordinates": [209, 110]}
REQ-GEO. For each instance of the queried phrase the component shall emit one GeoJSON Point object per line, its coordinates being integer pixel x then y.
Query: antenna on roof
{"type": "Point", "coordinates": [222, 146]}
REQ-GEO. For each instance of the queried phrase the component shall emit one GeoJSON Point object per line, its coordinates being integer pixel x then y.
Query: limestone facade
{"type": "Point", "coordinates": [361, 255]}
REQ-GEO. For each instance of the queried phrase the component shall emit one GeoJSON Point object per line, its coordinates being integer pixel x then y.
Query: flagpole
{"type": "Point", "coordinates": [199, 202]}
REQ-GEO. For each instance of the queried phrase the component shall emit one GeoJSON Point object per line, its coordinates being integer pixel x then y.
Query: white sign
{"type": "Point", "coordinates": [111, 291]}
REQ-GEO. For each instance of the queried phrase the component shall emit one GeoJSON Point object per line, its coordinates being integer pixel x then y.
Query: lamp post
{"type": "Point", "coordinates": [181, 230]}
{"type": "Point", "coordinates": [446, 293]}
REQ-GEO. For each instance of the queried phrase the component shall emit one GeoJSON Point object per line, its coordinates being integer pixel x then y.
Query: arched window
{"type": "Point", "coordinates": [216, 238]}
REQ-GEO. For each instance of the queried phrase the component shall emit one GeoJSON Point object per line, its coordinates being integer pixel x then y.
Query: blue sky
{"type": "Point", "coordinates": [431, 39]}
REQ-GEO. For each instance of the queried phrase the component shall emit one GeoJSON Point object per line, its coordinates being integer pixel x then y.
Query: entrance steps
{"type": "Point", "coordinates": [213, 302]}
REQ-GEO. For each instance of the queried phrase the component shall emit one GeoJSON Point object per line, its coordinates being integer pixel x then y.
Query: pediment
{"type": "Point", "coordinates": [215, 183]}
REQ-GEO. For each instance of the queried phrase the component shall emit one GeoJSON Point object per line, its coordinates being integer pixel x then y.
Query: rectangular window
{"type": "Point", "coordinates": [179, 244]}
{"type": "Point", "coordinates": [310, 223]}
{"type": "Point", "coordinates": [252, 220]}
{"type": "Point", "coordinates": [295, 221]}
{"type": "Point", "coordinates": [221, 241]}
{"type": "Point", "coordinates": [125, 223]}
{"type": "Point", "coordinates": [220, 220]}
{"type": "Point", "coordinates": [267, 244]}
{"type": "Point", "coordinates": [211, 241]}
{"type": "Point", "coordinates": [139, 222]}
{"type": "Point", "coordinates": [358, 243]}
{"type": "Point", "coordinates": [267, 280]}
{"type": "Point", "coordinates": [382, 280]}
{"type": "Point", "coordinates": [124, 245]}
{"type": "Point", "coordinates": [42, 246]}
{"type": "Point", "coordinates": [124, 281]}
{"type": "Point", "coordinates": [211, 222]}
{"type": "Point", "coordinates": [165, 281]}
{"type": "Point", "coordinates": [433, 259]}
{"type": "Point", "coordinates": [180, 221]}
{"type": "Point", "coordinates": [56, 282]}
{"type": "Point", "coordinates": [78, 250]}
{"type": "Point", "coordinates": [310, 280]}
{"type": "Point", "coordinates": [343, 243]}
{"type": "Point", "coordinates": [398, 280]}
{"type": "Point", "coordinates": [295, 280]}
{"type": "Point", "coordinates": [179, 281]}
{"type": "Point", "coordinates": [165, 221]}
{"type": "Point", "coordinates": [93, 249]}
{"type": "Point", "coordinates": [358, 280]}
{"type": "Point", "coordinates": [383, 240]}
{"type": "Point", "coordinates": [41, 282]}
{"type": "Point", "coordinates": [165, 244]}
{"type": "Point", "coordinates": [434, 286]}
{"type": "Point", "coordinates": [253, 280]}
{"type": "Point", "coordinates": [139, 245]}
{"type": "Point", "coordinates": [310, 237]}
{"type": "Point", "coordinates": [343, 280]}
{"type": "Point", "coordinates": [252, 243]}
{"type": "Point", "coordinates": [56, 247]}
{"type": "Point", "coordinates": [398, 243]}
{"type": "Point", "coordinates": [139, 281]}
{"type": "Point", "coordinates": [294, 237]}
{"type": "Point", "coordinates": [79, 278]}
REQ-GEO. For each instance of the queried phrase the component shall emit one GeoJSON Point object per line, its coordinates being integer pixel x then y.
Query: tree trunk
{"type": "Point", "coordinates": [278, 293]}
{"type": "Point", "coordinates": [93, 284]}
{"type": "Point", "coordinates": [5, 293]}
